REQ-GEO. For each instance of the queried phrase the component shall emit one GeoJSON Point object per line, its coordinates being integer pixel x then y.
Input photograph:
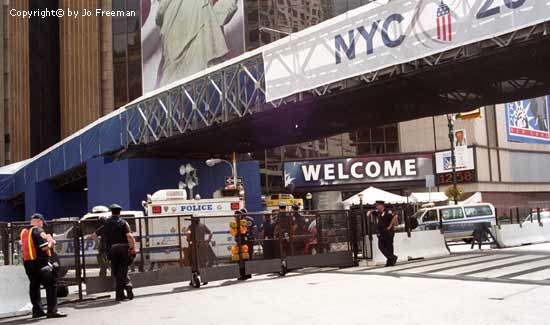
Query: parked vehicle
{"type": "Point", "coordinates": [533, 216]}
{"type": "Point", "coordinates": [458, 221]}
{"type": "Point", "coordinates": [272, 201]}
{"type": "Point", "coordinates": [214, 214]}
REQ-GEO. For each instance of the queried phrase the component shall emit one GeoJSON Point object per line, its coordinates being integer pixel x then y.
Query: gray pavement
{"type": "Point", "coordinates": [488, 287]}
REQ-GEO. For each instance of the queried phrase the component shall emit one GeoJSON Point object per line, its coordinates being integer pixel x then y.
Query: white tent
{"type": "Point", "coordinates": [425, 197]}
{"type": "Point", "coordinates": [371, 195]}
{"type": "Point", "coordinates": [475, 198]}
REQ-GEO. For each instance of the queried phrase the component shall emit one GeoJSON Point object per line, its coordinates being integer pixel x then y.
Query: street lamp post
{"type": "Point", "coordinates": [214, 161]}
{"type": "Point", "coordinates": [451, 122]}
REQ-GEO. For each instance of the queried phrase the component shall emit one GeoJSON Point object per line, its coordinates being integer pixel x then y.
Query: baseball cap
{"type": "Point", "coordinates": [39, 216]}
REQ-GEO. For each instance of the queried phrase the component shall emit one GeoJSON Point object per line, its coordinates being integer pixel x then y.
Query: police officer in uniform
{"type": "Point", "coordinates": [268, 237]}
{"type": "Point", "coordinates": [120, 245]}
{"type": "Point", "coordinates": [386, 231]}
{"type": "Point", "coordinates": [252, 232]}
{"type": "Point", "coordinates": [298, 225]}
{"type": "Point", "coordinates": [36, 246]}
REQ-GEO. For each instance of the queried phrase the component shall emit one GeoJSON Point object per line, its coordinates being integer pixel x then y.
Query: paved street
{"type": "Point", "coordinates": [489, 287]}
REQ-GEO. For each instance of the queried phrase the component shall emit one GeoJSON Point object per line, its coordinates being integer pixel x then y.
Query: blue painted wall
{"type": "Point", "coordinates": [108, 182]}
{"type": "Point", "coordinates": [127, 183]}
{"type": "Point", "coordinates": [40, 197]}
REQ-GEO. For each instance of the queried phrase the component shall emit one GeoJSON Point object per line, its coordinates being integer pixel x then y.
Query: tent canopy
{"type": "Point", "coordinates": [475, 198]}
{"type": "Point", "coordinates": [425, 197]}
{"type": "Point", "coordinates": [371, 195]}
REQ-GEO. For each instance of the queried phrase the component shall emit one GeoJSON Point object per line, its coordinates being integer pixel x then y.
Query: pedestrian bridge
{"type": "Point", "coordinates": [376, 64]}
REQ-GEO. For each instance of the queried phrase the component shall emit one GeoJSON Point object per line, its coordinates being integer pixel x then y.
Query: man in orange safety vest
{"type": "Point", "coordinates": [36, 246]}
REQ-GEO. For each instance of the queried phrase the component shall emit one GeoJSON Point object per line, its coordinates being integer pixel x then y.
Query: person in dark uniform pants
{"type": "Point", "coordinates": [251, 233]}
{"type": "Point", "coordinates": [269, 245]}
{"type": "Point", "coordinates": [120, 245]}
{"type": "Point", "coordinates": [36, 246]}
{"type": "Point", "coordinates": [298, 225]}
{"type": "Point", "coordinates": [386, 231]}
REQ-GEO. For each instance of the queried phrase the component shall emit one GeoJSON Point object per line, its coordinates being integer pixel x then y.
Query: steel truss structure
{"type": "Point", "coordinates": [236, 91]}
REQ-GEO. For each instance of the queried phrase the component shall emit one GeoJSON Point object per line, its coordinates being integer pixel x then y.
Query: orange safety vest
{"type": "Point", "coordinates": [29, 249]}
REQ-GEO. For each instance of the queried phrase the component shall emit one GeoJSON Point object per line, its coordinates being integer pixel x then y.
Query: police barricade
{"type": "Point", "coordinates": [217, 249]}
{"type": "Point", "coordinates": [266, 251]}
{"type": "Point", "coordinates": [14, 285]}
{"type": "Point", "coordinates": [162, 254]}
{"type": "Point", "coordinates": [408, 245]}
{"type": "Point", "coordinates": [4, 243]}
{"type": "Point", "coordinates": [316, 239]}
{"type": "Point", "coordinates": [522, 226]}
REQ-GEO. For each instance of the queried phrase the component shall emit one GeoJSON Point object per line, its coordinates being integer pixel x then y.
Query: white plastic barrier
{"type": "Point", "coordinates": [14, 286]}
{"type": "Point", "coordinates": [516, 235]}
{"type": "Point", "coordinates": [421, 244]}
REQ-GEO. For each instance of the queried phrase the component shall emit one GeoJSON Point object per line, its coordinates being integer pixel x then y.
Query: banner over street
{"type": "Point", "coordinates": [366, 39]}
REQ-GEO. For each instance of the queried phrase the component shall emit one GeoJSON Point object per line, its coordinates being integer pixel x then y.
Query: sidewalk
{"type": "Point", "coordinates": [329, 297]}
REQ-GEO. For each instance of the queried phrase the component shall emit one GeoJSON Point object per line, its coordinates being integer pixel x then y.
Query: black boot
{"type": "Point", "coordinates": [129, 292]}
{"type": "Point", "coordinates": [56, 315]}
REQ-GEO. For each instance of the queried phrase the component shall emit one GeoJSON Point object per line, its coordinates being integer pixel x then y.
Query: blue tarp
{"type": "Point", "coordinates": [102, 138]}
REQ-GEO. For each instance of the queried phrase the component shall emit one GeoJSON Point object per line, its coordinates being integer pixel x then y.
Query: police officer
{"type": "Point", "coordinates": [36, 246]}
{"type": "Point", "coordinates": [386, 231]}
{"type": "Point", "coordinates": [120, 245]}
{"type": "Point", "coordinates": [268, 237]}
{"type": "Point", "coordinates": [252, 232]}
{"type": "Point", "coordinates": [298, 224]}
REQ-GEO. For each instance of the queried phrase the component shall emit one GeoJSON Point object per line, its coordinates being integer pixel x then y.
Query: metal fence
{"type": "Point", "coordinates": [195, 249]}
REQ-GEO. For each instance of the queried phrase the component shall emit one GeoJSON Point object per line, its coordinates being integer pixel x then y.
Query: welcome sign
{"type": "Point", "coordinates": [367, 169]}
{"type": "Point", "coordinates": [372, 38]}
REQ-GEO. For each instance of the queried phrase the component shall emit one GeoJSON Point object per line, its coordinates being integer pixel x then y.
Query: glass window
{"type": "Point", "coordinates": [119, 25]}
{"type": "Point", "coordinates": [478, 211]}
{"type": "Point", "coordinates": [452, 213]}
{"type": "Point", "coordinates": [378, 134]}
{"type": "Point", "coordinates": [430, 216]}
{"type": "Point", "coordinates": [127, 78]}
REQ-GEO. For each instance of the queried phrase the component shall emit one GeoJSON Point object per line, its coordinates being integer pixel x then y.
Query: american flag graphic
{"type": "Point", "coordinates": [447, 163]}
{"type": "Point", "coordinates": [444, 23]}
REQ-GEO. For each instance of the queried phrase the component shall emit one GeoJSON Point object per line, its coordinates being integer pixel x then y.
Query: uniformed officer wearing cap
{"type": "Point", "coordinates": [120, 245]}
{"type": "Point", "coordinates": [36, 246]}
{"type": "Point", "coordinates": [386, 231]}
{"type": "Point", "coordinates": [252, 231]}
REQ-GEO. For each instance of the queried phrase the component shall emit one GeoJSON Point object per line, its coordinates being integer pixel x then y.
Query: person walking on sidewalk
{"type": "Point", "coordinates": [120, 245]}
{"type": "Point", "coordinates": [387, 221]}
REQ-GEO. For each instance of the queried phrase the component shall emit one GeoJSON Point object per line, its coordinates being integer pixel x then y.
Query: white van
{"type": "Point", "coordinates": [458, 220]}
{"type": "Point", "coordinates": [89, 223]}
{"type": "Point", "coordinates": [166, 205]}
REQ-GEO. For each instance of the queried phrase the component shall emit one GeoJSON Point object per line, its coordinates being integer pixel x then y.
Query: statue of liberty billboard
{"type": "Point", "coordinates": [183, 37]}
{"type": "Point", "coordinates": [527, 120]}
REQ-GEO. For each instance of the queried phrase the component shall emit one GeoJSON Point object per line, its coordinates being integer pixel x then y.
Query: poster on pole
{"type": "Point", "coordinates": [527, 120]}
{"type": "Point", "coordinates": [180, 38]}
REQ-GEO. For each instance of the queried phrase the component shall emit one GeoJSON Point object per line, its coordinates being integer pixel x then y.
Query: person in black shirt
{"type": "Point", "coordinates": [269, 245]}
{"type": "Point", "coordinates": [298, 224]}
{"type": "Point", "coordinates": [386, 231]}
{"type": "Point", "coordinates": [120, 244]}
{"type": "Point", "coordinates": [36, 247]}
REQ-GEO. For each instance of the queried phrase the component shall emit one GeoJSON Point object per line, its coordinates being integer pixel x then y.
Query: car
{"type": "Point", "coordinates": [458, 221]}
{"type": "Point", "coordinates": [533, 216]}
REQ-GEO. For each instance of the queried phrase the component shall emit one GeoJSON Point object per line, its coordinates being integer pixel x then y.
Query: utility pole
{"type": "Point", "coordinates": [451, 121]}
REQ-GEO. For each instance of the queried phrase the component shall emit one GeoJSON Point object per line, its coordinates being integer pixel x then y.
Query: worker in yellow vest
{"type": "Point", "coordinates": [36, 246]}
